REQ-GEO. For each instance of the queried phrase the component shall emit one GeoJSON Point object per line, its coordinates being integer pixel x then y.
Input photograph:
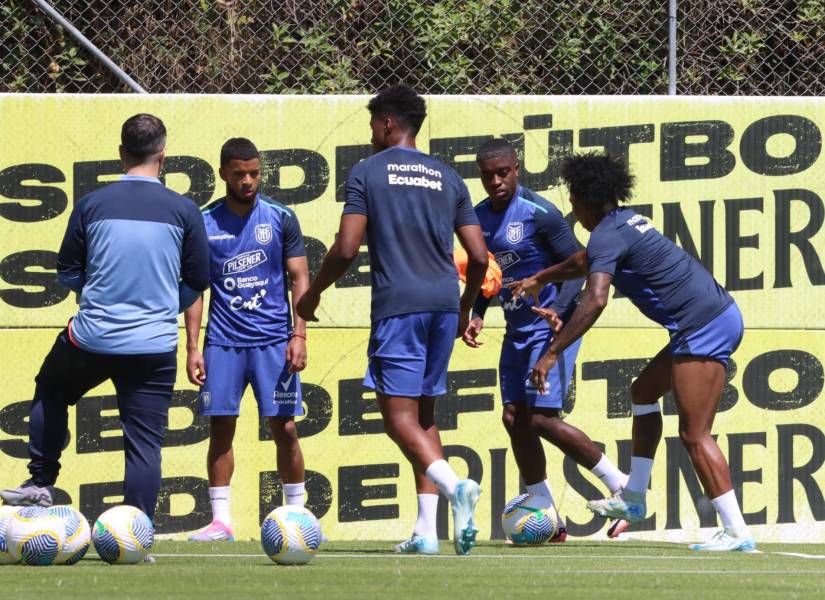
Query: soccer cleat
{"type": "Point", "coordinates": [418, 544]}
{"type": "Point", "coordinates": [726, 541]}
{"type": "Point", "coordinates": [216, 532]}
{"type": "Point", "coordinates": [560, 536]}
{"type": "Point", "coordinates": [149, 559]}
{"type": "Point", "coordinates": [618, 527]}
{"type": "Point", "coordinates": [626, 505]}
{"type": "Point", "coordinates": [463, 504]}
{"type": "Point", "coordinates": [28, 494]}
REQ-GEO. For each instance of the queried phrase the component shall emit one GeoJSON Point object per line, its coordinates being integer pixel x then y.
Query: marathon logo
{"type": "Point", "coordinates": [507, 259]}
{"type": "Point", "coordinates": [422, 181]}
{"type": "Point", "coordinates": [244, 262]}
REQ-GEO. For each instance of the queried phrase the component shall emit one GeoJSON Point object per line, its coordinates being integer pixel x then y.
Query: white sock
{"type": "Point", "coordinates": [729, 512]}
{"type": "Point", "coordinates": [609, 474]}
{"type": "Point", "coordinates": [219, 498]}
{"type": "Point", "coordinates": [427, 513]}
{"type": "Point", "coordinates": [542, 488]}
{"type": "Point", "coordinates": [640, 468]}
{"type": "Point", "coordinates": [442, 475]}
{"type": "Point", "coordinates": [294, 494]}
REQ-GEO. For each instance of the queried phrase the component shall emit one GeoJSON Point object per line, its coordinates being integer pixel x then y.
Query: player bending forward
{"type": "Point", "coordinates": [671, 288]}
{"type": "Point", "coordinates": [254, 243]}
{"type": "Point", "coordinates": [527, 233]}
{"type": "Point", "coordinates": [410, 204]}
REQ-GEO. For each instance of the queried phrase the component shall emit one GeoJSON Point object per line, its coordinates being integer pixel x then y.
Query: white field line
{"type": "Point", "coordinates": [375, 555]}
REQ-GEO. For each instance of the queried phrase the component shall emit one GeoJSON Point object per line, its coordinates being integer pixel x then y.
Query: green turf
{"type": "Point", "coordinates": [364, 570]}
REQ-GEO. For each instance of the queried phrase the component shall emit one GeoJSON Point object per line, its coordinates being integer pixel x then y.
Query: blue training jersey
{"type": "Point", "coordinates": [133, 249]}
{"type": "Point", "coordinates": [661, 279]}
{"type": "Point", "coordinates": [528, 236]}
{"type": "Point", "coordinates": [249, 303]}
{"type": "Point", "coordinates": [413, 204]}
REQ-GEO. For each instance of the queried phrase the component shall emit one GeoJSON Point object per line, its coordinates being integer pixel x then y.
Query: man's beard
{"type": "Point", "coordinates": [241, 199]}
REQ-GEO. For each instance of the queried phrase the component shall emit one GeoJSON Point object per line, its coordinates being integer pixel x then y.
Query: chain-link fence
{"type": "Point", "coordinates": [761, 47]}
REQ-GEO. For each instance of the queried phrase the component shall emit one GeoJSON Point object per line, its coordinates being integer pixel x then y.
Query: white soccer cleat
{"type": "Point", "coordinates": [28, 494]}
{"type": "Point", "coordinates": [726, 540]}
{"type": "Point", "coordinates": [418, 544]}
{"type": "Point", "coordinates": [626, 505]}
{"type": "Point", "coordinates": [463, 504]}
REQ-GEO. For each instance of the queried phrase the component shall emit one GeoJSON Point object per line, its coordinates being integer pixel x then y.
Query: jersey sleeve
{"type": "Point", "coordinates": [604, 251]}
{"type": "Point", "coordinates": [194, 271]}
{"type": "Point", "coordinates": [71, 259]}
{"type": "Point", "coordinates": [293, 238]}
{"type": "Point", "coordinates": [554, 234]}
{"type": "Point", "coordinates": [465, 213]}
{"type": "Point", "coordinates": [356, 192]}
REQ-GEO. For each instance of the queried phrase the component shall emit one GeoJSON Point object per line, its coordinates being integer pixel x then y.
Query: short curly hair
{"type": "Point", "coordinates": [401, 102]}
{"type": "Point", "coordinates": [597, 179]}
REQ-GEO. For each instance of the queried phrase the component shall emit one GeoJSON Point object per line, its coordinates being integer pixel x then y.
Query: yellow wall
{"type": "Point", "coordinates": [756, 205]}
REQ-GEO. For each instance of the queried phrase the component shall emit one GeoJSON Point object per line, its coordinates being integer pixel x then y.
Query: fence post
{"type": "Point", "coordinates": [671, 49]}
{"type": "Point", "coordinates": [60, 19]}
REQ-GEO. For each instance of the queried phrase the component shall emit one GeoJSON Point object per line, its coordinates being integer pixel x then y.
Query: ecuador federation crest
{"type": "Point", "coordinates": [263, 233]}
{"type": "Point", "coordinates": [515, 231]}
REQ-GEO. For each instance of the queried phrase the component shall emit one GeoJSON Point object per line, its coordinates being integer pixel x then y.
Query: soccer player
{"type": "Point", "coordinates": [256, 251]}
{"type": "Point", "coordinates": [526, 233]}
{"type": "Point", "coordinates": [674, 290]}
{"type": "Point", "coordinates": [410, 204]}
{"type": "Point", "coordinates": [137, 254]}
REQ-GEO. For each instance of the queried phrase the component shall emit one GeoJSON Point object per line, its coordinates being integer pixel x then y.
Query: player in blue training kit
{"type": "Point", "coordinates": [410, 205]}
{"type": "Point", "coordinates": [136, 253]}
{"type": "Point", "coordinates": [254, 244]}
{"type": "Point", "coordinates": [674, 290]}
{"type": "Point", "coordinates": [526, 233]}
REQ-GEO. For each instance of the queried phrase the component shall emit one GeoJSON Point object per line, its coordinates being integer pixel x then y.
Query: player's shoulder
{"type": "Point", "coordinates": [483, 206]}
{"type": "Point", "coordinates": [274, 207]}
{"type": "Point", "coordinates": [212, 209]}
{"type": "Point", "coordinates": [537, 204]}
{"type": "Point", "coordinates": [611, 226]}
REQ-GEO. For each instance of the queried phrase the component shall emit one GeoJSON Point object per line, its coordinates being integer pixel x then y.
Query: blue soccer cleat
{"type": "Point", "coordinates": [726, 541]}
{"type": "Point", "coordinates": [464, 503]}
{"type": "Point", "coordinates": [418, 544]}
{"type": "Point", "coordinates": [626, 505]}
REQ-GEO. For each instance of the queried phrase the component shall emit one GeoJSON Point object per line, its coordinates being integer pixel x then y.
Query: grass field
{"type": "Point", "coordinates": [370, 570]}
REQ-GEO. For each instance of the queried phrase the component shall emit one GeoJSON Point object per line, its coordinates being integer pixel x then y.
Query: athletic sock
{"type": "Point", "coordinates": [609, 474]}
{"type": "Point", "coordinates": [427, 514]}
{"type": "Point", "coordinates": [729, 513]}
{"type": "Point", "coordinates": [542, 488]}
{"type": "Point", "coordinates": [219, 499]}
{"type": "Point", "coordinates": [639, 478]}
{"type": "Point", "coordinates": [294, 494]}
{"type": "Point", "coordinates": [442, 475]}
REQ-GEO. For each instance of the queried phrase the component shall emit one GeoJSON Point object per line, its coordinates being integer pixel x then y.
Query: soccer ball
{"type": "Point", "coordinates": [529, 520]}
{"type": "Point", "coordinates": [290, 535]}
{"type": "Point", "coordinates": [78, 534]}
{"type": "Point", "coordinates": [6, 512]}
{"type": "Point", "coordinates": [123, 535]}
{"type": "Point", "coordinates": [34, 537]}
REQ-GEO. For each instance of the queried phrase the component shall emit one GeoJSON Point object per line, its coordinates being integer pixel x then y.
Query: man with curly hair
{"type": "Point", "coordinates": [674, 290]}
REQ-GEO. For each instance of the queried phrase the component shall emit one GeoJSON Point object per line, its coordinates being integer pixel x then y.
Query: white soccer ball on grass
{"type": "Point", "coordinates": [290, 535]}
{"type": "Point", "coordinates": [123, 535]}
{"type": "Point", "coordinates": [529, 520]}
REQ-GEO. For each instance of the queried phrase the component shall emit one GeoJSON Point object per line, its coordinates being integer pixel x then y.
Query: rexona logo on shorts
{"type": "Point", "coordinates": [244, 262]}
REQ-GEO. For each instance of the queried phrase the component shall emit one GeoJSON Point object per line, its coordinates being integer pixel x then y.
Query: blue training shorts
{"type": "Point", "coordinates": [409, 354]}
{"type": "Point", "coordinates": [229, 370]}
{"type": "Point", "coordinates": [717, 340]}
{"type": "Point", "coordinates": [519, 352]}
